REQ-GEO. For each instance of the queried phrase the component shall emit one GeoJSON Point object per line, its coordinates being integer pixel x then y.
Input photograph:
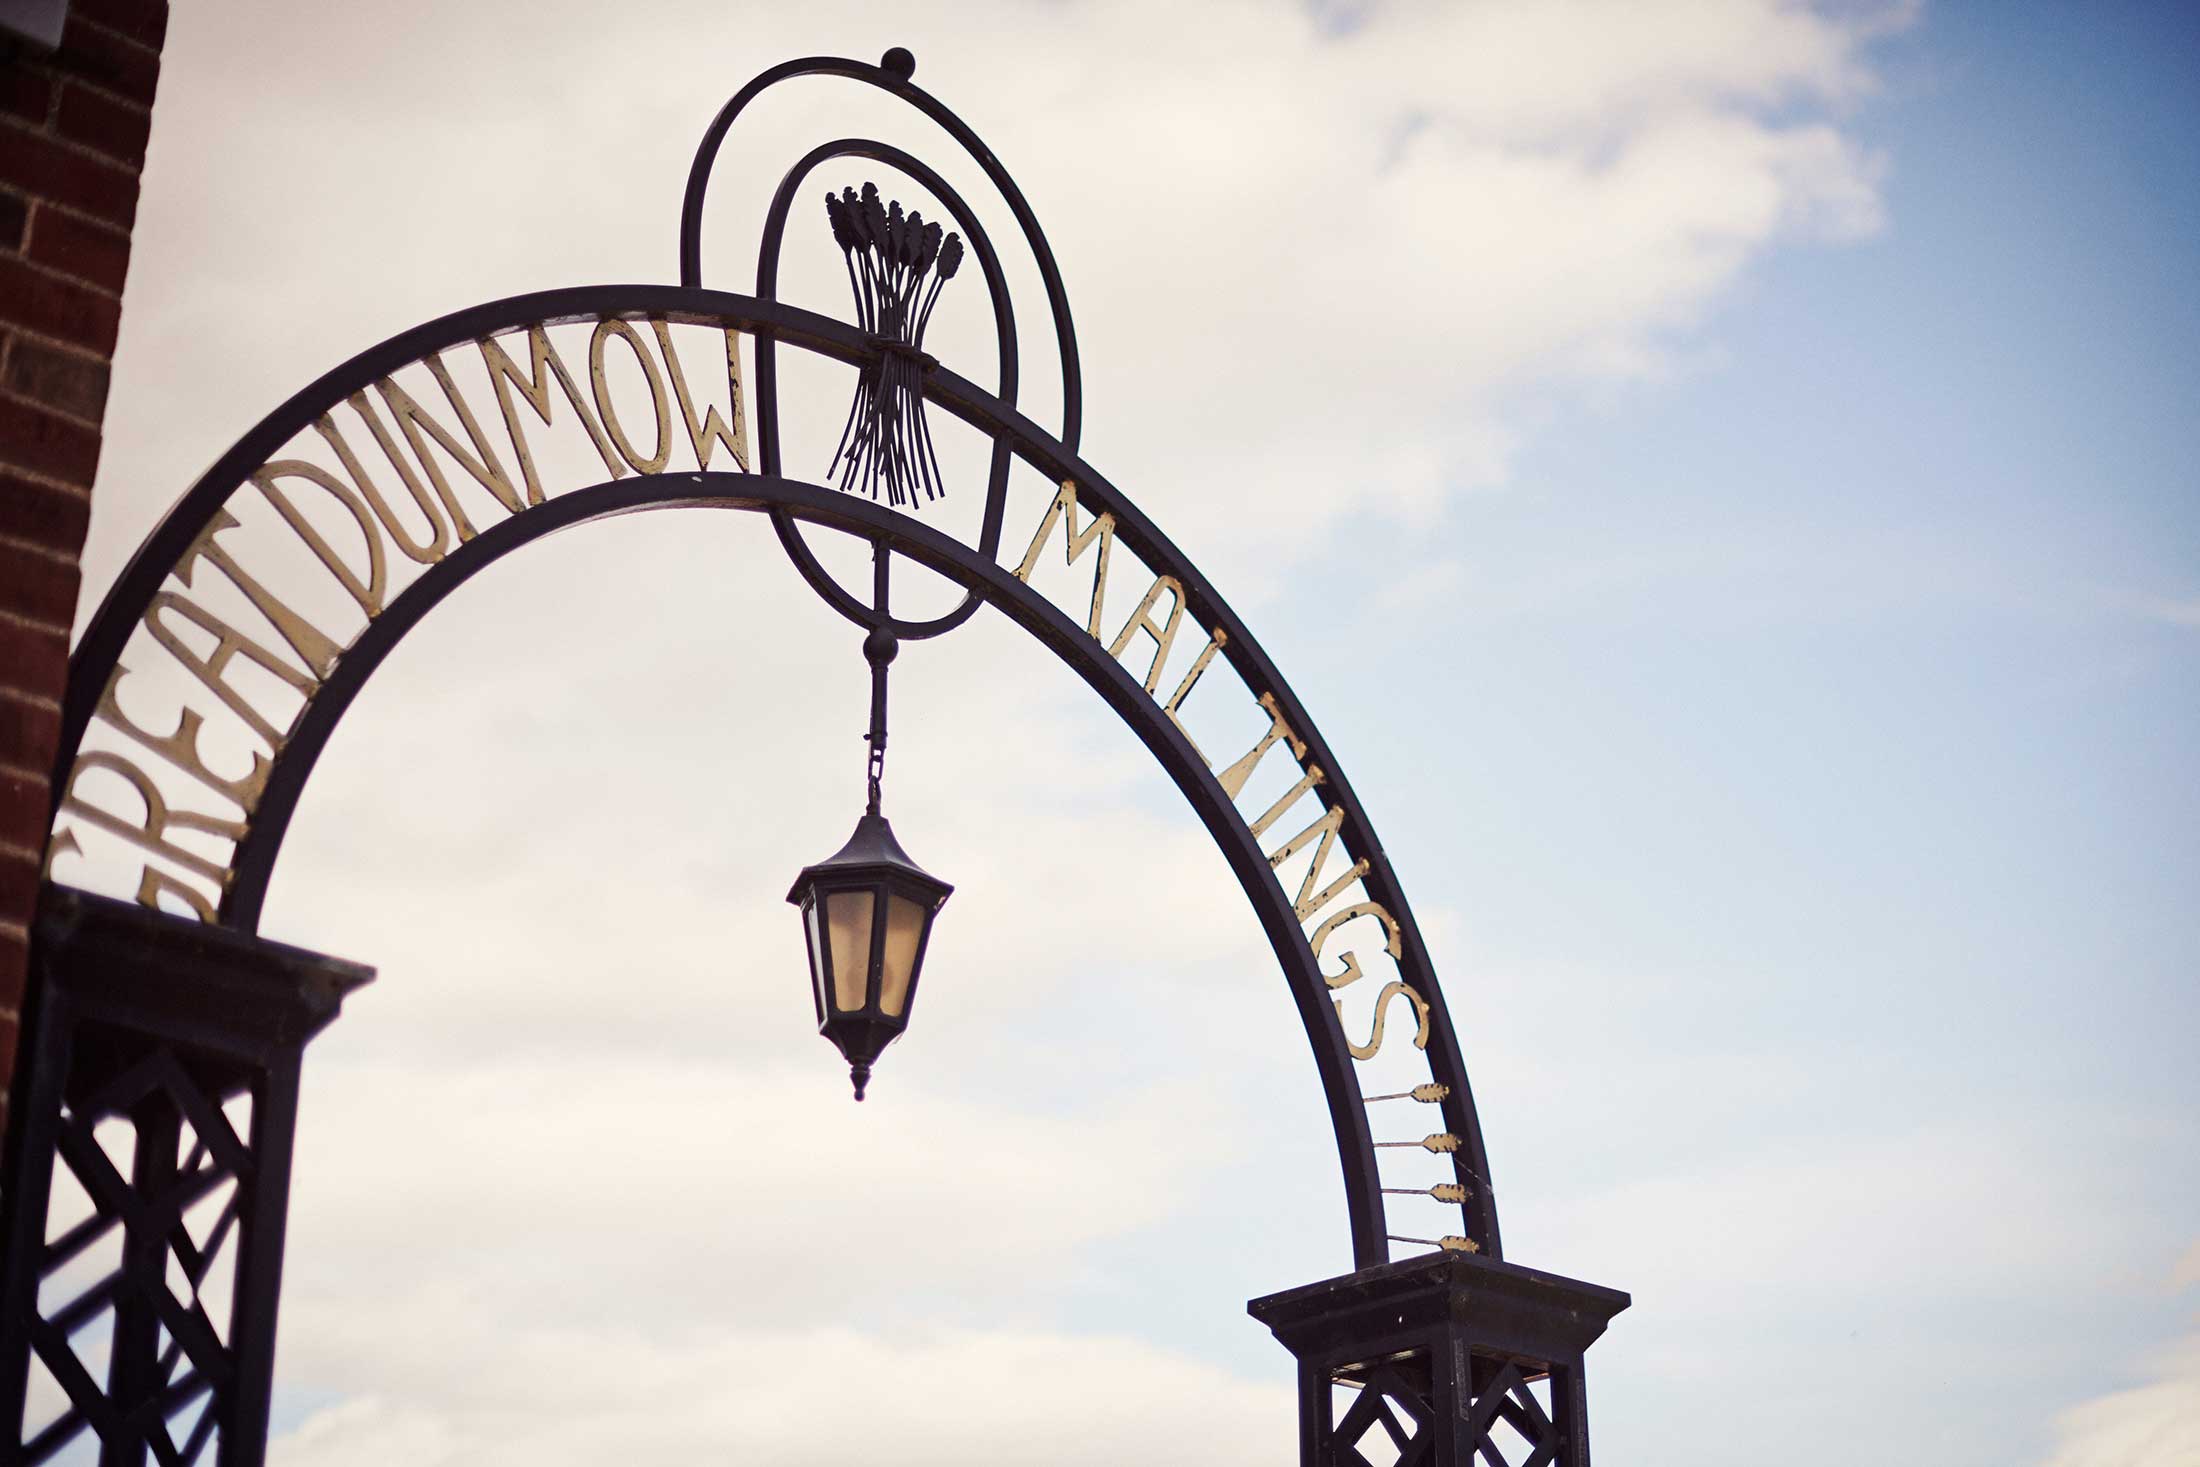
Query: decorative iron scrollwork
{"type": "Point", "coordinates": [896, 263]}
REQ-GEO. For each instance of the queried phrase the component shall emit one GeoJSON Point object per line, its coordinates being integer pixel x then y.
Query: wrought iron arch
{"type": "Point", "coordinates": [1398, 1331]}
{"type": "Point", "coordinates": [98, 657]}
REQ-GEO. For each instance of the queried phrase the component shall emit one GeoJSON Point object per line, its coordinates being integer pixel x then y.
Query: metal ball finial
{"type": "Point", "coordinates": [900, 61]}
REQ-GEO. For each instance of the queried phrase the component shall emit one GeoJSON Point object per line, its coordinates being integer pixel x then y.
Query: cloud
{"type": "Point", "coordinates": [2175, 612]}
{"type": "Point", "coordinates": [579, 1137]}
{"type": "Point", "coordinates": [1311, 263]}
{"type": "Point", "coordinates": [805, 1397]}
{"type": "Point", "coordinates": [2158, 1422]}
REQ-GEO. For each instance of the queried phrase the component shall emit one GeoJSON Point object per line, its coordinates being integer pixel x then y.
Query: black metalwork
{"type": "Point", "coordinates": [1448, 1353]}
{"type": "Point", "coordinates": [162, 1080]}
{"type": "Point", "coordinates": [867, 909]}
{"type": "Point", "coordinates": [897, 264]}
{"type": "Point", "coordinates": [1442, 1361]}
{"type": "Point", "coordinates": [767, 375]}
{"type": "Point", "coordinates": [892, 75]}
{"type": "Point", "coordinates": [867, 913]}
{"type": "Point", "coordinates": [893, 78]}
{"type": "Point", "coordinates": [103, 640]}
{"type": "Point", "coordinates": [880, 647]}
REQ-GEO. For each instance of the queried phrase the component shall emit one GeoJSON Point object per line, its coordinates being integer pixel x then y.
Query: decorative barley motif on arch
{"type": "Point", "coordinates": [896, 266]}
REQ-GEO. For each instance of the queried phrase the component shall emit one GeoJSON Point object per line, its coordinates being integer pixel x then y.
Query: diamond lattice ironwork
{"type": "Point", "coordinates": [168, 1365]}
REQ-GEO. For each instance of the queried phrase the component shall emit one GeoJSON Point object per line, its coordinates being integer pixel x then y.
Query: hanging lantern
{"type": "Point", "coordinates": [867, 913]}
{"type": "Point", "coordinates": [867, 909]}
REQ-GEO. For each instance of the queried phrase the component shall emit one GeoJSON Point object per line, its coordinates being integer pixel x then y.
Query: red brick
{"type": "Point", "coordinates": [54, 306]}
{"type": "Point", "coordinates": [140, 20]}
{"type": "Point", "coordinates": [34, 659]}
{"type": "Point", "coordinates": [41, 440]}
{"type": "Point", "coordinates": [67, 381]}
{"type": "Point", "coordinates": [34, 584]}
{"type": "Point", "coordinates": [43, 514]}
{"type": "Point", "coordinates": [34, 164]}
{"type": "Point", "coordinates": [19, 872]}
{"type": "Point", "coordinates": [100, 55]}
{"type": "Point", "coordinates": [29, 732]}
{"type": "Point", "coordinates": [25, 93]}
{"type": "Point", "coordinates": [90, 252]}
{"type": "Point", "coordinates": [96, 120]}
{"type": "Point", "coordinates": [15, 217]}
{"type": "Point", "coordinates": [23, 812]}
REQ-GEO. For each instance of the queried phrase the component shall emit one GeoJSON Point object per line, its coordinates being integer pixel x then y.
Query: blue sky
{"type": "Point", "coordinates": [1848, 681]}
{"type": "Point", "coordinates": [1740, 541]}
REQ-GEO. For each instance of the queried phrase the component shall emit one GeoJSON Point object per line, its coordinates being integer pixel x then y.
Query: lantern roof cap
{"type": "Point", "coordinates": [872, 845]}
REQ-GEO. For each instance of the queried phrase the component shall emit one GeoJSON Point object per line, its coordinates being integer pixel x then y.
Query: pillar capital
{"type": "Point", "coordinates": [1428, 1361]}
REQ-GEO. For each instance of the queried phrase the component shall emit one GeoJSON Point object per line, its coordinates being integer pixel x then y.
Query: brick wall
{"type": "Point", "coordinates": [73, 127]}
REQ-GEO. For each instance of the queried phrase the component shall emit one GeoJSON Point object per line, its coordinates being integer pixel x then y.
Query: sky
{"type": "Point", "coordinates": [1717, 473]}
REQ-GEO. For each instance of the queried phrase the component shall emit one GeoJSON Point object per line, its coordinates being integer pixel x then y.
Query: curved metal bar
{"type": "Point", "coordinates": [1133, 529]}
{"type": "Point", "coordinates": [1123, 693]}
{"type": "Point", "coordinates": [101, 647]}
{"type": "Point", "coordinates": [774, 241]}
{"type": "Point", "coordinates": [833, 594]}
{"type": "Point", "coordinates": [767, 372]}
{"type": "Point", "coordinates": [706, 154]}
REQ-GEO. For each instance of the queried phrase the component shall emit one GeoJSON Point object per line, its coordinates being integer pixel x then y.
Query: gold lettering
{"type": "Point", "coordinates": [1310, 901]}
{"type": "Point", "coordinates": [154, 881]}
{"type": "Point", "coordinates": [1233, 779]}
{"type": "Point", "coordinates": [229, 642]}
{"type": "Point", "coordinates": [181, 748]}
{"type": "Point", "coordinates": [416, 425]}
{"type": "Point", "coordinates": [710, 430]}
{"type": "Point", "coordinates": [1312, 777]}
{"type": "Point", "coordinates": [428, 552]}
{"type": "Point", "coordinates": [401, 462]}
{"type": "Point", "coordinates": [152, 832]}
{"type": "Point", "coordinates": [504, 373]}
{"type": "Point", "coordinates": [1184, 688]}
{"type": "Point", "coordinates": [318, 652]}
{"type": "Point", "coordinates": [368, 593]}
{"type": "Point", "coordinates": [1075, 541]}
{"type": "Point", "coordinates": [1164, 636]}
{"type": "Point", "coordinates": [64, 842]}
{"type": "Point", "coordinates": [1382, 1008]}
{"type": "Point", "coordinates": [597, 345]}
{"type": "Point", "coordinates": [1351, 973]}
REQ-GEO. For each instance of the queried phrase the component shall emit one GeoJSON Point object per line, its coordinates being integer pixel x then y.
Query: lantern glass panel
{"type": "Point", "coordinates": [904, 932]}
{"type": "Point", "coordinates": [848, 925]}
{"type": "Point", "coordinates": [817, 955]}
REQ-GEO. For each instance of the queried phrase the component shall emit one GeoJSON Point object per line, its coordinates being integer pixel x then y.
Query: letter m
{"type": "Point", "coordinates": [1075, 543]}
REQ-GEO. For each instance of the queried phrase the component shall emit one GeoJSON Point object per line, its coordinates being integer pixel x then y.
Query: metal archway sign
{"type": "Point", "coordinates": [205, 688]}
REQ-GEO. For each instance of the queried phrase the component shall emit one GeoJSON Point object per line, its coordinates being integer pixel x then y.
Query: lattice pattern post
{"type": "Point", "coordinates": [1448, 1360]}
{"type": "Point", "coordinates": [148, 1175]}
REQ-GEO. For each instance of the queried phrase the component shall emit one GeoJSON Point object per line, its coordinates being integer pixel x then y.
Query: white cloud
{"type": "Point", "coordinates": [1305, 266]}
{"type": "Point", "coordinates": [2151, 1425]}
{"type": "Point", "coordinates": [578, 1139]}
{"type": "Point", "coordinates": [809, 1397]}
{"type": "Point", "coordinates": [2178, 613]}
